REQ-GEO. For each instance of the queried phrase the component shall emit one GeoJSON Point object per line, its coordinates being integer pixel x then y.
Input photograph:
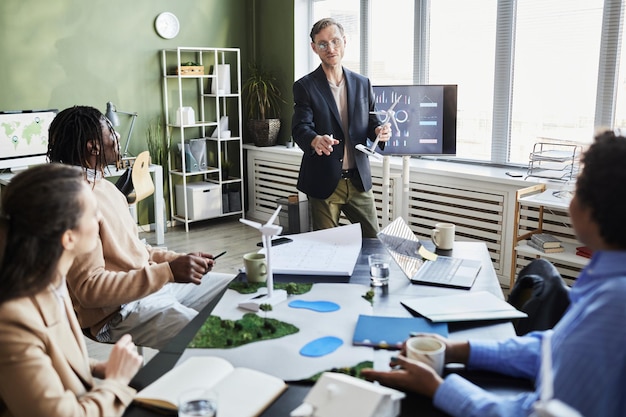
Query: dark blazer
{"type": "Point", "coordinates": [316, 113]}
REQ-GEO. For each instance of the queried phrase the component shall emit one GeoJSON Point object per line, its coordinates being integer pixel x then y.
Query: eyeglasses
{"type": "Point", "coordinates": [335, 43]}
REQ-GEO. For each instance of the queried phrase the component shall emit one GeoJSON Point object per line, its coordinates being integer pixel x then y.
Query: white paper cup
{"type": "Point", "coordinates": [428, 350]}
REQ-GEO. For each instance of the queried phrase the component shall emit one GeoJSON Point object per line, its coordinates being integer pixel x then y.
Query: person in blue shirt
{"type": "Point", "coordinates": [588, 343]}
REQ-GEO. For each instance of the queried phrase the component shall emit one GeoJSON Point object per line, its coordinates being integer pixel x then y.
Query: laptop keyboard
{"type": "Point", "coordinates": [442, 270]}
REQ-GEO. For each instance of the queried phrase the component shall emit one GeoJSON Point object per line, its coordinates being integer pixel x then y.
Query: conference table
{"type": "Point", "coordinates": [387, 303]}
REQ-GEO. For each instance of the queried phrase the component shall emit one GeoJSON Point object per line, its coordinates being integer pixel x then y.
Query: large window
{"type": "Point", "coordinates": [557, 51]}
{"type": "Point", "coordinates": [528, 71]}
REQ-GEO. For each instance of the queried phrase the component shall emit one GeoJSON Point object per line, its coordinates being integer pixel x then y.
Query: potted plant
{"type": "Point", "coordinates": [156, 141]}
{"type": "Point", "coordinates": [226, 167]}
{"type": "Point", "coordinates": [262, 98]}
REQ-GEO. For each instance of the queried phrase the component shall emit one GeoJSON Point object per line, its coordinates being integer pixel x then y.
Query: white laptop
{"type": "Point", "coordinates": [449, 272]}
{"type": "Point", "coordinates": [413, 259]}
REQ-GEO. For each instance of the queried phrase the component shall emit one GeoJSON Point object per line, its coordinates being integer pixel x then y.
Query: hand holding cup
{"type": "Point", "coordinates": [427, 349]}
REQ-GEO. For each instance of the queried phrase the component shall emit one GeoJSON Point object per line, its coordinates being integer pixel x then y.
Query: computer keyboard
{"type": "Point", "coordinates": [442, 270]}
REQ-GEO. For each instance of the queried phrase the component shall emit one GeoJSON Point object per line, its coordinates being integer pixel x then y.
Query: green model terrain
{"type": "Point", "coordinates": [217, 333]}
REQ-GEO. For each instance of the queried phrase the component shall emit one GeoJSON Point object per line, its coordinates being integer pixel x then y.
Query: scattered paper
{"type": "Point", "coordinates": [323, 252]}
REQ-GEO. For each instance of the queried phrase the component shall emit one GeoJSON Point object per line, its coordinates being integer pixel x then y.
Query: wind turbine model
{"type": "Point", "coordinates": [389, 114]}
{"type": "Point", "coordinates": [268, 230]}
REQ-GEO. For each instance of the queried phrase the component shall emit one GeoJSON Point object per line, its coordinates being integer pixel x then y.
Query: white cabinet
{"type": "Point", "coordinates": [202, 106]}
{"type": "Point", "coordinates": [540, 209]}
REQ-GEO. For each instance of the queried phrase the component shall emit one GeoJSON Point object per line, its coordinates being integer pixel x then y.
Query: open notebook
{"type": "Point", "coordinates": [422, 266]}
{"type": "Point", "coordinates": [242, 392]}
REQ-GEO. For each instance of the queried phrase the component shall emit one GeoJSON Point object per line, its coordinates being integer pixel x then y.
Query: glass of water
{"type": "Point", "coordinates": [379, 269]}
{"type": "Point", "coordinates": [197, 402]}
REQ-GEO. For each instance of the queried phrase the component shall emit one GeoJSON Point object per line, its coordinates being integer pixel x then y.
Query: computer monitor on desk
{"type": "Point", "coordinates": [24, 138]}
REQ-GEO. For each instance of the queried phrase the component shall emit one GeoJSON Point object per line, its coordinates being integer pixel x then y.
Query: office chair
{"type": "Point", "coordinates": [540, 292]}
{"type": "Point", "coordinates": [136, 183]}
{"type": "Point", "coordinates": [143, 186]}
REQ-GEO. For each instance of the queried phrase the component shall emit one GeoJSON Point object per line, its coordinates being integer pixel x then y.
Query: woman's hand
{"type": "Point", "coordinates": [457, 351]}
{"type": "Point", "coordinates": [407, 375]}
{"type": "Point", "coordinates": [124, 361]}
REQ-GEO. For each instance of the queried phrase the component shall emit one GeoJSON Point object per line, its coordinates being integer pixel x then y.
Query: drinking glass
{"type": "Point", "coordinates": [379, 269]}
{"type": "Point", "coordinates": [198, 402]}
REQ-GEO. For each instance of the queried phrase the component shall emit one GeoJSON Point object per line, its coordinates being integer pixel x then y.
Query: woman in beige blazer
{"type": "Point", "coordinates": [49, 216]}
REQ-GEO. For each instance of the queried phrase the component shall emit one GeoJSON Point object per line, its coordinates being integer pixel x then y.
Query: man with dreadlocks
{"type": "Point", "coordinates": [125, 286]}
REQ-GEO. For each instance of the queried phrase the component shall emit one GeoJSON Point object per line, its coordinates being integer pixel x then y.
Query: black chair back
{"type": "Point", "coordinates": [540, 292]}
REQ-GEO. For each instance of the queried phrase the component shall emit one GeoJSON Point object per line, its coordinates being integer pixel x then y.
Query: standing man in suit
{"type": "Point", "coordinates": [332, 114]}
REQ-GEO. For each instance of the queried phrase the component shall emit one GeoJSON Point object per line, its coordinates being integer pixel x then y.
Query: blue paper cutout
{"type": "Point", "coordinates": [321, 347]}
{"type": "Point", "coordinates": [319, 306]}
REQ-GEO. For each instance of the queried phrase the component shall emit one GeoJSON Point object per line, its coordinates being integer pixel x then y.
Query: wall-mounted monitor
{"type": "Point", "coordinates": [24, 137]}
{"type": "Point", "coordinates": [423, 119]}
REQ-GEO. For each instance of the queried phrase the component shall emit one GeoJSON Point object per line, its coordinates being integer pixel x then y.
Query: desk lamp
{"type": "Point", "coordinates": [273, 297]}
{"type": "Point", "coordinates": [111, 114]}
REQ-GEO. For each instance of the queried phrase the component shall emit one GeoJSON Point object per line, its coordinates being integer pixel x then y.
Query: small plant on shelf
{"type": "Point", "coordinates": [226, 168]}
{"type": "Point", "coordinates": [262, 99]}
{"type": "Point", "coordinates": [156, 141]}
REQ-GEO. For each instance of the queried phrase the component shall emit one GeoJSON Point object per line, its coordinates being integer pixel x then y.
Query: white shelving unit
{"type": "Point", "coordinates": [195, 99]}
{"type": "Point", "coordinates": [550, 215]}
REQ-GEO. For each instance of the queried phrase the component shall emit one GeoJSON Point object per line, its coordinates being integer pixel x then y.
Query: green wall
{"type": "Point", "coordinates": [55, 54]}
{"type": "Point", "coordinates": [274, 28]}
{"type": "Point", "coordinates": [58, 53]}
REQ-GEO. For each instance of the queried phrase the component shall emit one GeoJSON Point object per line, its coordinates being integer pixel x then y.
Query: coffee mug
{"type": "Point", "coordinates": [443, 236]}
{"type": "Point", "coordinates": [428, 350]}
{"type": "Point", "coordinates": [256, 267]}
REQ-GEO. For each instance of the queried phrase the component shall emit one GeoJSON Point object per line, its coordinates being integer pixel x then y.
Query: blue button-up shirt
{"type": "Point", "coordinates": [588, 353]}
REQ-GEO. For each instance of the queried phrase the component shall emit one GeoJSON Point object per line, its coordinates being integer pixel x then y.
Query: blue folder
{"type": "Point", "coordinates": [390, 332]}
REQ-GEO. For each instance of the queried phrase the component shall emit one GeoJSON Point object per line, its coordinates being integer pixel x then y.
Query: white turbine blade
{"type": "Point", "coordinates": [394, 103]}
{"type": "Point", "coordinates": [251, 223]}
{"type": "Point", "coordinates": [271, 220]}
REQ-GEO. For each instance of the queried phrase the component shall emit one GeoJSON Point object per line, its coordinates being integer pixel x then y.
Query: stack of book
{"type": "Point", "coordinates": [584, 251]}
{"type": "Point", "coordinates": [545, 242]}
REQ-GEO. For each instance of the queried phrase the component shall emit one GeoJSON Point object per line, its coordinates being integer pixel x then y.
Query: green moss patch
{"type": "Point", "coordinates": [216, 333]}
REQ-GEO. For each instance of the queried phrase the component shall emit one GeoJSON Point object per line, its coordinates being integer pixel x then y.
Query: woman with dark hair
{"type": "Point", "coordinates": [48, 217]}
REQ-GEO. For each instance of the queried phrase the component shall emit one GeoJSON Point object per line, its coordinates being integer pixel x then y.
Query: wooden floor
{"type": "Point", "coordinates": [212, 236]}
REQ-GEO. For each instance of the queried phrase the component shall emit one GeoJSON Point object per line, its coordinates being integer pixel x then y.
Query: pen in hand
{"type": "Point", "coordinates": [217, 256]}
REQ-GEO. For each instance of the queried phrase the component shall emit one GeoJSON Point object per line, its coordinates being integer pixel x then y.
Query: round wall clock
{"type": "Point", "coordinates": [167, 25]}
